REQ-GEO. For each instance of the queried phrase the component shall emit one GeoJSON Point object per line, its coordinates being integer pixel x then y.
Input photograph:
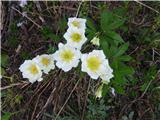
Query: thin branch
{"type": "Point", "coordinates": [66, 100]}
{"type": "Point", "coordinates": [27, 17]}
{"type": "Point", "coordinates": [146, 89]}
{"type": "Point", "coordinates": [85, 103]}
{"type": "Point", "coordinates": [80, 4]}
{"type": "Point", "coordinates": [47, 103]}
{"type": "Point", "coordinates": [13, 85]}
{"type": "Point", "coordinates": [147, 6]}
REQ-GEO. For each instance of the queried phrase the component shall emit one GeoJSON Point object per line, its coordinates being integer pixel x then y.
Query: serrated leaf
{"type": "Point", "coordinates": [104, 46]}
{"type": "Point", "coordinates": [106, 19]}
{"type": "Point", "coordinates": [126, 70]}
{"type": "Point", "coordinates": [110, 21]}
{"type": "Point", "coordinates": [115, 36]}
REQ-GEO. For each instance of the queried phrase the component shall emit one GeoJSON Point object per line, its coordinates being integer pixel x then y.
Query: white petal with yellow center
{"type": "Point", "coordinates": [75, 37]}
{"type": "Point", "coordinates": [31, 71]}
{"type": "Point", "coordinates": [66, 57]}
{"type": "Point", "coordinates": [95, 64]}
{"type": "Point", "coordinates": [78, 23]}
{"type": "Point", "coordinates": [45, 62]}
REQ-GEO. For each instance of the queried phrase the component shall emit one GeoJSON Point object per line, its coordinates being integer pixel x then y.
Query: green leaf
{"type": "Point", "coordinates": [120, 11]}
{"type": "Point", "coordinates": [144, 86]}
{"type": "Point", "coordinates": [62, 24]}
{"type": "Point", "coordinates": [104, 46]}
{"type": "Point", "coordinates": [124, 58]}
{"type": "Point", "coordinates": [12, 41]}
{"type": "Point", "coordinates": [4, 60]}
{"type": "Point", "coordinates": [110, 21]}
{"type": "Point", "coordinates": [51, 49]}
{"type": "Point", "coordinates": [2, 71]}
{"type": "Point", "coordinates": [122, 50]}
{"type": "Point", "coordinates": [48, 34]}
{"type": "Point", "coordinates": [119, 89]}
{"type": "Point", "coordinates": [115, 36]}
{"type": "Point", "coordinates": [91, 29]}
{"type": "Point", "coordinates": [106, 20]}
{"type": "Point", "coordinates": [13, 28]}
{"type": "Point", "coordinates": [119, 79]}
{"type": "Point", "coordinates": [90, 24]}
{"type": "Point", "coordinates": [90, 34]}
{"type": "Point", "coordinates": [125, 70]}
{"type": "Point", "coordinates": [105, 89]}
{"type": "Point", "coordinates": [6, 116]}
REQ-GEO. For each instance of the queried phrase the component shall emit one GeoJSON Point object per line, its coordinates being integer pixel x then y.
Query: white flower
{"type": "Point", "coordinates": [78, 23]}
{"type": "Point", "coordinates": [95, 64]}
{"type": "Point", "coordinates": [66, 57]}
{"type": "Point", "coordinates": [19, 24]}
{"type": "Point", "coordinates": [75, 37]}
{"type": "Point", "coordinates": [31, 71]}
{"type": "Point", "coordinates": [107, 75]}
{"type": "Point", "coordinates": [99, 91]}
{"type": "Point", "coordinates": [95, 41]}
{"type": "Point", "coordinates": [24, 14]}
{"type": "Point", "coordinates": [45, 62]}
{"type": "Point", "coordinates": [113, 91]}
{"type": "Point", "coordinates": [23, 3]}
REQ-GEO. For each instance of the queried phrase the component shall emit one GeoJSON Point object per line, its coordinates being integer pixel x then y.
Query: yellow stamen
{"type": "Point", "coordinates": [93, 63]}
{"type": "Point", "coordinates": [67, 55]}
{"type": "Point", "coordinates": [76, 24]}
{"type": "Point", "coordinates": [76, 37]}
{"type": "Point", "coordinates": [33, 69]}
{"type": "Point", "coordinates": [45, 61]}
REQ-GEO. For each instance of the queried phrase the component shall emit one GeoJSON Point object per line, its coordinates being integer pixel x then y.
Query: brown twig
{"type": "Point", "coordinates": [85, 102]}
{"type": "Point", "coordinates": [47, 103]}
{"type": "Point", "coordinates": [66, 100]}
{"type": "Point", "coordinates": [39, 99]}
{"type": "Point", "coordinates": [13, 85]}
{"type": "Point", "coordinates": [27, 17]}
{"type": "Point", "coordinates": [147, 6]}
{"type": "Point", "coordinates": [80, 4]}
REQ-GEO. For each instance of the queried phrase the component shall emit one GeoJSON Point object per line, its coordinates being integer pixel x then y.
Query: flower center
{"type": "Point", "coordinates": [76, 24]}
{"type": "Point", "coordinates": [67, 55]}
{"type": "Point", "coordinates": [33, 69]}
{"type": "Point", "coordinates": [76, 37]}
{"type": "Point", "coordinates": [93, 63]}
{"type": "Point", "coordinates": [45, 61]}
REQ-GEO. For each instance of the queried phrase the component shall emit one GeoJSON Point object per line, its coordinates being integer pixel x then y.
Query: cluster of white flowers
{"type": "Point", "coordinates": [69, 55]}
{"type": "Point", "coordinates": [32, 69]}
